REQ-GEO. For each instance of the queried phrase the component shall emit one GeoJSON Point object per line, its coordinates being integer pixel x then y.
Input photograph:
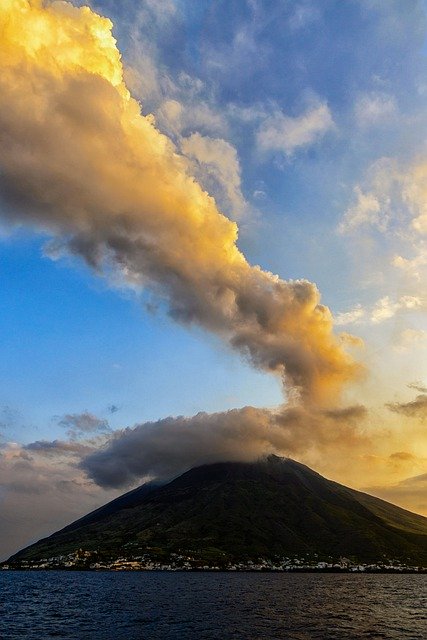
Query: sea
{"type": "Point", "coordinates": [220, 606]}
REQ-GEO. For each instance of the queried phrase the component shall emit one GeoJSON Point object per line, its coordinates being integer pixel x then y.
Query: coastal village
{"type": "Point", "coordinates": [90, 561]}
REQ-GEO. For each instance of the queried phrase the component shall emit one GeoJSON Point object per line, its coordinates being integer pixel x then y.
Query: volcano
{"type": "Point", "coordinates": [239, 510]}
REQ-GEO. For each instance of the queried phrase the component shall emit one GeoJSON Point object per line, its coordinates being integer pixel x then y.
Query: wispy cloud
{"type": "Point", "coordinates": [386, 308]}
{"type": "Point", "coordinates": [78, 425]}
{"type": "Point", "coordinates": [283, 133]}
{"type": "Point", "coordinates": [354, 316]}
{"type": "Point", "coordinates": [372, 109]}
{"type": "Point", "coordinates": [383, 309]}
{"type": "Point", "coordinates": [366, 211]}
{"type": "Point", "coordinates": [414, 409]}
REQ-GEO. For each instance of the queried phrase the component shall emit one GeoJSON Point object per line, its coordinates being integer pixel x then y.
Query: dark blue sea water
{"type": "Point", "coordinates": [218, 606]}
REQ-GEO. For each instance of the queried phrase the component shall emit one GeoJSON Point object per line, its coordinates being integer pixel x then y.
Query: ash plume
{"type": "Point", "coordinates": [80, 161]}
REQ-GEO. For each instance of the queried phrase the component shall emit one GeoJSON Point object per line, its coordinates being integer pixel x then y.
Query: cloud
{"type": "Point", "coordinates": [410, 493]}
{"type": "Point", "coordinates": [78, 160]}
{"type": "Point", "coordinates": [351, 341]}
{"type": "Point", "coordinates": [385, 308]}
{"type": "Point", "coordinates": [113, 408]}
{"type": "Point", "coordinates": [280, 132]}
{"type": "Point", "coordinates": [170, 446]}
{"type": "Point", "coordinates": [394, 202]}
{"type": "Point", "coordinates": [374, 108]}
{"type": "Point", "coordinates": [78, 425]}
{"type": "Point", "coordinates": [42, 490]}
{"type": "Point", "coordinates": [58, 447]}
{"type": "Point", "coordinates": [182, 117]}
{"type": "Point", "coordinates": [413, 267]}
{"type": "Point", "coordinates": [414, 409]}
{"type": "Point", "coordinates": [402, 456]}
{"type": "Point", "coordinates": [216, 165]}
{"type": "Point", "coordinates": [366, 211]}
{"type": "Point", "coordinates": [350, 317]}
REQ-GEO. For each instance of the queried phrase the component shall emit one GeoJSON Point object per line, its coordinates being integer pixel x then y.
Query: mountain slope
{"type": "Point", "coordinates": [271, 507]}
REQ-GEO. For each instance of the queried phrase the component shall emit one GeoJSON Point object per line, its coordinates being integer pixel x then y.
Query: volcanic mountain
{"type": "Point", "coordinates": [273, 507]}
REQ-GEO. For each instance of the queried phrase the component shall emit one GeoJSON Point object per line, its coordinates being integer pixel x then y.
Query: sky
{"type": "Point", "coordinates": [213, 246]}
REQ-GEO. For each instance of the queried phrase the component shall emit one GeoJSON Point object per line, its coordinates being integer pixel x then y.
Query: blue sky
{"type": "Point", "coordinates": [307, 123]}
{"type": "Point", "coordinates": [72, 344]}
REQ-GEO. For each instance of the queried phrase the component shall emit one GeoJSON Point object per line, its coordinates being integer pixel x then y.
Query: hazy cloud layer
{"type": "Point", "coordinates": [79, 160]}
{"type": "Point", "coordinates": [410, 493]}
{"type": "Point", "coordinates": [42, 490]}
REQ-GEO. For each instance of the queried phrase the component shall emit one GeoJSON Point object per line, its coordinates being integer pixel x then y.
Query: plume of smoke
{"type": "Point", "coordinates": [80, 161]}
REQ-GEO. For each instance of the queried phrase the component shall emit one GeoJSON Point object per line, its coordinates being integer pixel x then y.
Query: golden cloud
{"type": "Point", "coordinates": [79, 160]}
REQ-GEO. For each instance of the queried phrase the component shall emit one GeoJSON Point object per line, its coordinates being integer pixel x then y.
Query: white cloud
{"type": "Point", "coordinates": [386, 308]}
{"type": "Point", "coordinates": [393, 196]}
{"type": "Point", "coordinates": [366, 211]}
{"type": "Point", "coordinates": [414, 195]}
{"type": "Point", "coordinates": [353, 316]}
{"type": "Point", "coordinates": [393, 200]}
{"type": "Point", "coordinates": [382, 310]}
{"type": "Point", "coordinates": [280, 132]}
{"type": "Point", "coordinates": [412, 267]}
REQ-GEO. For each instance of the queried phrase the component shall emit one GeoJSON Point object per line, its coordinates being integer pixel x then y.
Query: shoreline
{"type": "Point", "coordinates": [408, 571]}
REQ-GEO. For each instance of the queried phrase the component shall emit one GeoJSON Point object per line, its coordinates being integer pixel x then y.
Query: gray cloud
{"type": "Point", "coordinates": [58, 447]}
{"type": "Point", "coordinates": [168, 447]}
{"type": "Point", "coordinates": [113, 408]}
{"type": "Point", "coordinates": [78, 425]}
{"type": "Point", "coordinates": [414, 409]}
